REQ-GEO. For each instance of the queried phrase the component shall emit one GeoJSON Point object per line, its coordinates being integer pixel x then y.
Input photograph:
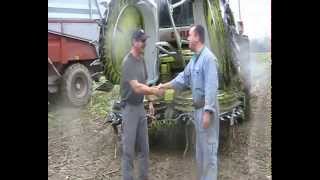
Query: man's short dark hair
{"type": "Point", "coordinates": [200, 31]}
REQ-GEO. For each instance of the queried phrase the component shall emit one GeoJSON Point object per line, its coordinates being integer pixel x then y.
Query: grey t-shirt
{"type": "Point", "coordinates": [132, 69]}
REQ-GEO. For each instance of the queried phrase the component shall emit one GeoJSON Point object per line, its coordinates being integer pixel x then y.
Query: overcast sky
{"type": "Point", "coordinates": [256, 16]}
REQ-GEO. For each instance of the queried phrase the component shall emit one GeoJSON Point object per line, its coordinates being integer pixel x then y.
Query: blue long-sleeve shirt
{"type": "Point", "coordinates": [201, 76]}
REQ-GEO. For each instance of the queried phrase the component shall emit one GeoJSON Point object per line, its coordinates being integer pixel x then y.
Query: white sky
{"type": "Point", "coordinates": [256, 17]}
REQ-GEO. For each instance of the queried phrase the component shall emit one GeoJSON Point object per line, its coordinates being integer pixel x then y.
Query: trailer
{"type": "Point", "coordinates": [73, 50]}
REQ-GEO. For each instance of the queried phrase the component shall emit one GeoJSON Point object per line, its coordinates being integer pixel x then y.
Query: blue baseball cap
{"type": "Point", "coordinates": [139, 35]}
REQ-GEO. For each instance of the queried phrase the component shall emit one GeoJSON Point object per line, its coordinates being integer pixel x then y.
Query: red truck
{"type": "Point", "coordinates": [73, 50]}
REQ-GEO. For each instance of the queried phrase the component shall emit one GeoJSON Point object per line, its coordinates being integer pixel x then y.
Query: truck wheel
{"type": "Point", "coordinates": [125, 17]}
{"type": "Point", "coordinates": [77, 85]}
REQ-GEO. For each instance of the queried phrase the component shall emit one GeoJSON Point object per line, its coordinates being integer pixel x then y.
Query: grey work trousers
{"type": "Point", "coordinates": [207, 141]}
{"type": "Point", "coordinates": [135, 138]}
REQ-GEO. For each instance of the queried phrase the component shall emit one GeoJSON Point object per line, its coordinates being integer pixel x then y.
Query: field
{"type": "Point", "coordinates": [80, 144]}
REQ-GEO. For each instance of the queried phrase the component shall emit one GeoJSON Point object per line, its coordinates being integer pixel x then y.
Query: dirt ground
{"type": "Point", "coordinates": [81, 147]}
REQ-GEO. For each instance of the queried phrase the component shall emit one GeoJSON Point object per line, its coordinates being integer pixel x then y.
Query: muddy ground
{"type": "Point", "coordinates": [81, 146]}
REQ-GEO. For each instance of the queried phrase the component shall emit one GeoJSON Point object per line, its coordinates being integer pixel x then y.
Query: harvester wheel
{"type": "Point", "coordinates": [77, 85]}
{"type": "Point", "coordinates": [123, 19]}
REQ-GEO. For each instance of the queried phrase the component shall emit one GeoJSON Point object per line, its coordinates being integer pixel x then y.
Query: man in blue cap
{"type": "Point", "coordinates": [132, 89]}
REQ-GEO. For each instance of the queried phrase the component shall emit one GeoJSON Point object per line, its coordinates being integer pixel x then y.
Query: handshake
{"type": "Point", "coordinates": [158, 90]}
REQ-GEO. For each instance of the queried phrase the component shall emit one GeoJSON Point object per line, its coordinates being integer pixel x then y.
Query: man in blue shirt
{"type": "Point", "coordinates": [201, 76]}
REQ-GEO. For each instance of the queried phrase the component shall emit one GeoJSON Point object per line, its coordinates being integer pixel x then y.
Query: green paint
{"type": "Point", "coordinates": [129, 21]}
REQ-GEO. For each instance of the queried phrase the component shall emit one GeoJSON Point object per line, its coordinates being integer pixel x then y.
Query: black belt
{"type": "Point", "coordinates": [124, 103]}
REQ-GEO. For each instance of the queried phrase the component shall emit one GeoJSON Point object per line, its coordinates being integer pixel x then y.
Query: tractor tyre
{"type": "Point", "coordinates": [76, 85]}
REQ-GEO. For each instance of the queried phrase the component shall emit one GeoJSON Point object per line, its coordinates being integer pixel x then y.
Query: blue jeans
{"type": "Point", "coordinates": [207, 141]}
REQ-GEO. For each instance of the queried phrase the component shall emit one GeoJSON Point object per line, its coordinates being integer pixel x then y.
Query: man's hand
{"type": "Point", "coordinates": [165, 85]}
{"type": "Point", "coordinates": [140, 88]}
{"type": "Point", "coordinates": [206, 119]}
{"type": "Point", "coordinates": [151, 109]}
{"type": "Point", "coordinates": [159, 91]}
{"type": "Point", "coordinates": [161, 86]}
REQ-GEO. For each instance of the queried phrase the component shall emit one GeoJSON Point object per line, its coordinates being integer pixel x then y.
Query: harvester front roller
{"type": "Point", "coordinates": [124, 17]}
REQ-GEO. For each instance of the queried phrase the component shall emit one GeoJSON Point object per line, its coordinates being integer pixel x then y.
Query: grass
{"type": "Point", "coordinates": [101, 102]}
{"type": "Point", "coordinates": [98, 107]}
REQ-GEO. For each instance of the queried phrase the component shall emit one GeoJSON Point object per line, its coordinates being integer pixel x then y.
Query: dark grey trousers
{"type": "Point", "coordinates": [135, 139]}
